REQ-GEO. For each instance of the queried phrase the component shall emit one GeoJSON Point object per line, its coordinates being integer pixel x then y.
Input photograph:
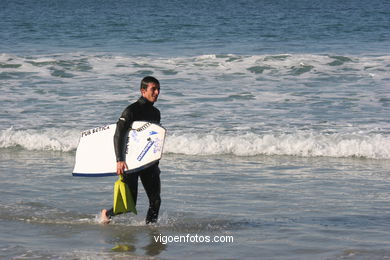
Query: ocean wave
{"type": "Point", "coordinates": [375, 146]}
{"type": "Point", "coordinates": [304, 144]}
{"type": "Point", "coordinates": [68, 65]}
{"type": "Point", "coordinates": [44, 140]}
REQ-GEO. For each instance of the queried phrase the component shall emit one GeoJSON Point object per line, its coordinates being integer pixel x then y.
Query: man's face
{"type": "Point", "coordinates": [151, 92]}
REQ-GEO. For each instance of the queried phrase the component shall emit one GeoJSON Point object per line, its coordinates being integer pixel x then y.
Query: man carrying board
{"type": "Point", "coordinates": [141, 110]}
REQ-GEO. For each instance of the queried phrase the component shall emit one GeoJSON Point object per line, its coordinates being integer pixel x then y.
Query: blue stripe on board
{"type": "Point", "coordinates": [93, 174]}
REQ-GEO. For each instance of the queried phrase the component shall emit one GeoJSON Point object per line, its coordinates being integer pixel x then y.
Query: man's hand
{"type": "Point", "coordinates": [121, 166]}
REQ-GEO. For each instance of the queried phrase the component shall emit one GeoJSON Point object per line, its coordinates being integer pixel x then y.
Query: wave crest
{"type": "Point", "coordinates": [296, 144]}
{"type": "Point", "coordinates": [305, 144]}
{"type": "Point", "coordinates": [48, 140]}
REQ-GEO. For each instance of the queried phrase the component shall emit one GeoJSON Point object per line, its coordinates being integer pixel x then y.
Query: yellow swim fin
{"type": "Point", "coordinates": [123, 201]}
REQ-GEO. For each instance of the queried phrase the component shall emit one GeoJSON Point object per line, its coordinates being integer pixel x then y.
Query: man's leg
{"type": "Point", "coordinates": [150, 178]}
{"type": "Point", "coordinates": [131, 180]}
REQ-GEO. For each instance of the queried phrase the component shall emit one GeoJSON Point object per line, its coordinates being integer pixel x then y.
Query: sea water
{"type": "Point", "coordinates": [277, 115]}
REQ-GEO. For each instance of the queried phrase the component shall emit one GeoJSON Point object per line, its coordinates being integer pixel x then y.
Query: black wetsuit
{"type": "Point", "coordinates": [142, 110]}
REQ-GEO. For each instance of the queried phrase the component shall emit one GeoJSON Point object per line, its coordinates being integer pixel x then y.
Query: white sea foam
{"type": "Point", "coordinates": [296, 144]}
{"type": "Point", "coordinates": [45, 140]}
{"type": "Point", "coordinates": [306, 144]}
{"type": "Point", "coordinates": [273, 93]}
{"type": "Point", "coordinates": [210, 66]}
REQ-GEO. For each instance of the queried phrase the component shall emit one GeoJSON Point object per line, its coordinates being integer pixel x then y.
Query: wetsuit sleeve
{"type": "Point", "coordinates": [158, 117]}
{"type": "Point", "coordinates": [122, 129]}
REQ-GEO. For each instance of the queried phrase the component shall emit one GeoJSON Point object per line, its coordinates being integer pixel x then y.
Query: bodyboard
{"type": "Point", "coordinates": [95, 154]}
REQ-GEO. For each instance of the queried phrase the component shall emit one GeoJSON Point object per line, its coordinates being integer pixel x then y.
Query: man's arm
{"type": "Point", "coordinates": [121, 132]}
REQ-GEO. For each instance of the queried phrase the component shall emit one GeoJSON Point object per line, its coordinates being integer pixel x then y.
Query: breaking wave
{"type": "Point", "coordinates": [297, 144]}
{"type": "Point", "coordinates": [44, 140]}
{"type": "Point", "coordinates": [305, 144]}
{"type": "Point", "coordinates": [81, 65]}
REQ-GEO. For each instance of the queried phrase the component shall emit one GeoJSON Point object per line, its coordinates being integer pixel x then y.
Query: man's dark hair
{"type": "Point", "coordinates": [149, 79]}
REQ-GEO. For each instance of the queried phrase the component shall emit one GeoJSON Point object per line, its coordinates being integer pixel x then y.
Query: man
{"type": "Point", "coordinates": [142, 110]}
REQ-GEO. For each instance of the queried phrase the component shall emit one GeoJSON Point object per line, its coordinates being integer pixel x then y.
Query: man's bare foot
{"type": "Point", "coordinates": [104, 219]}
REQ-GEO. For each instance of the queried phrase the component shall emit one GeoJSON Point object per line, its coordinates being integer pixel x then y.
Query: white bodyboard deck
{"type": "Point", "coordinates": [95, 154]}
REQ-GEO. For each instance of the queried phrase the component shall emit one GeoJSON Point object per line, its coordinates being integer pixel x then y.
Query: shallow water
{"type": "Point", "coordinates": [284, 207]}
